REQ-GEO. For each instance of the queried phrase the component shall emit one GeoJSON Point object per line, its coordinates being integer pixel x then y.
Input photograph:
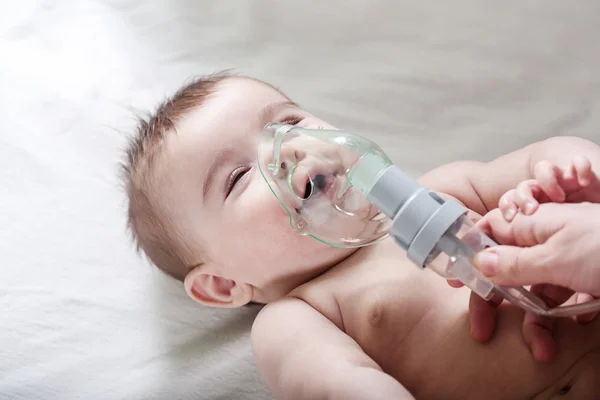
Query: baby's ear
{"type": "Point", "coordinates": [216, 291]}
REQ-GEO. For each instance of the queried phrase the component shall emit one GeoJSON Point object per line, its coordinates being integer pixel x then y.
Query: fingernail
{"type": "Point", "coordinates": [529, 208]}
{"type": "Point", "coordinates": [487, 263]}
{"type": "Point", "coordinates": [510, 213]}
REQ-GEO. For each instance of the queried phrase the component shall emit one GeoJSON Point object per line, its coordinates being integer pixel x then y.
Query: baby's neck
{"type": "Point", "coordinates": [291, 285]}
{"type": "Point", "coordinates": [385, 248]}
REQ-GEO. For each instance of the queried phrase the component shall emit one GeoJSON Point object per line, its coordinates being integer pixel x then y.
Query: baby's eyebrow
{"type": "Point", "coordinates": [220, 158]}
{"type": "Point", "coordinates": [267, 113]}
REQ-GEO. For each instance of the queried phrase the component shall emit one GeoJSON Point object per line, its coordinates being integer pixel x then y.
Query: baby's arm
{"type": "Point", "coordinates": [303, 355]}
{"type": "Point", "coordinates": [480, 185]}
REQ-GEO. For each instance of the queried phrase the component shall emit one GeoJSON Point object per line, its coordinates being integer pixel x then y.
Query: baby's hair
{"type": "Point", "coordinates": [149, 230]}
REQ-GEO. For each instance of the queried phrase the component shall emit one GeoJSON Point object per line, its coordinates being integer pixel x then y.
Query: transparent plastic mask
{"type": "Point", "coordinates": [308, 172]}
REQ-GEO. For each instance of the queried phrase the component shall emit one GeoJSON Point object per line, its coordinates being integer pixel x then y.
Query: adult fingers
{"type": "Point", "coordinates": [538, 330]}
{"type": "Point", "coordinates": [497, 227]}
{"type": "Point", "coordinates": [526, 230]}
{"type": "Point", "coordinates": [585, 318]}
{"type": "Point", "coordinates": [514, 266]}
{"type": "Point", "coordinates": [455, 283]}
{"type": "Point", "coordinates": [482, 316]}
{"type": "Point", "coordinates": [511, 264]}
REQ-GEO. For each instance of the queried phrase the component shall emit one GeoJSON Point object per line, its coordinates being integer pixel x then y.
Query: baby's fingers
{"type": "Point", "coordinates": [583, 169]}
{"type": "Point", "coordinates": [547, 176]}
{"type": "Point", "coordinates": [508, 205]}
{"type": "Point", "coordinates": [526, 196]}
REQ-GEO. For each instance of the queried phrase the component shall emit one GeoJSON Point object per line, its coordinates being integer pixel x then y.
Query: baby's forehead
{"type": "Point", "coordinates": [236, 106]}
{"type": "Point", "coordinates": [231, 116]}
{"type": "Point", "coordinates": [243, 96]}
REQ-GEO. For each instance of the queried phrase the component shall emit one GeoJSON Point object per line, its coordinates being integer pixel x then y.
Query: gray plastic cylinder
{"type": "Point", "coordinates": [419, 216]}
{"type": "Point", "coordinates": [392, 190]}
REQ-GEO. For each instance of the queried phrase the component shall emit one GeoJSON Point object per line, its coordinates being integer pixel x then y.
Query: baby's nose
{"type": "Point", "coordinates": [290, 155]}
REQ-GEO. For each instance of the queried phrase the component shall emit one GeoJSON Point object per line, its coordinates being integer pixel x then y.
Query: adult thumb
{"type": "Point", "coordinates": [515, 266]}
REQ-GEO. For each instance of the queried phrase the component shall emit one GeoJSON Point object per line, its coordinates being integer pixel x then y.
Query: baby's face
{"type": "Point", "coordinates": [216, 193]}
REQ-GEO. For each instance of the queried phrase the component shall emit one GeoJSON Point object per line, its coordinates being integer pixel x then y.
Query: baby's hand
{"type": "Point", "coordinates": [573, 183]}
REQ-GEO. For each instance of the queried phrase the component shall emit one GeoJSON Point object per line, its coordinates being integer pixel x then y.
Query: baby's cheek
{"type": "Point", "coordinates": [259, 220]}
{"type": "Point", "coordinates": [261, 201]}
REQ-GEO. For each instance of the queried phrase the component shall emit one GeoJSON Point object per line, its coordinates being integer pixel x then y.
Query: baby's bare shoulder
{"type": "Point", "coordinates": [320, 294]}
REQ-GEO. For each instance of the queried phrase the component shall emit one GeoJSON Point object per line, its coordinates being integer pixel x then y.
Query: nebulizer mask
{"type": "Point", "coordinates": [343, 190]}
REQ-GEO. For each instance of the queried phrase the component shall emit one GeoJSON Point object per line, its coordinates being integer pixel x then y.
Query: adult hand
{"type": "Point", "coordinates": [556, 249]}
{"type": "Point", "coordinates": [573, 182]}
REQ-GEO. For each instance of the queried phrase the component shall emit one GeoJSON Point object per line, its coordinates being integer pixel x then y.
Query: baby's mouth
{"type": "Point", "coordinates": [314, 185]}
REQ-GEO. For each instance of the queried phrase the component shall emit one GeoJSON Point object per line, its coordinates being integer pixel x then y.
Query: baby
{"type": "Point", "coordinates": [339, 323]}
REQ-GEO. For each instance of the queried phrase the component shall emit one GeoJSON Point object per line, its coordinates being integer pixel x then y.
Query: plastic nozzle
{"type": "Point", "coordinates": [366, 171]}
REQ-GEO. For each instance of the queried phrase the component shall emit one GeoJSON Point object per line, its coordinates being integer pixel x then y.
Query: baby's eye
{"type": "Point", "coordinates": [238, 177]}
{"type": "Point", "coordinates": [292, 120]}
{"type": "Point", "coordinates": [235, 177]}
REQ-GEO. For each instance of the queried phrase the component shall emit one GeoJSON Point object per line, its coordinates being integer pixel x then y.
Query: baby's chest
{"type": "Point", "coordinates": [403, 321]}
{"type": "Point", "coordinates": [385, 314]}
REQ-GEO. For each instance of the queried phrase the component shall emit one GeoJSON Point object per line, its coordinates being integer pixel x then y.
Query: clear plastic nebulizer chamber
{"type": "Point", "coordinates": [342, 189]}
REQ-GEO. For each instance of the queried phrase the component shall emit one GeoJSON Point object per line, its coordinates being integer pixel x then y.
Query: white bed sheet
{"type": "Point", "coordinates": [82, 316]}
